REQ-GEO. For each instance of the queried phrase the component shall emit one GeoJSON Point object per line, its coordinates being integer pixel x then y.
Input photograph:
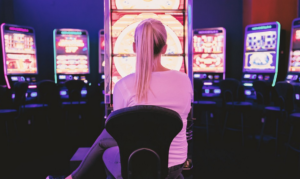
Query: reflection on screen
{"type": "Point", "coordinates": [71, 54]}
{"type": "Point", "coordinates": [147, 4]}
{"type": "Point", "coordinates": [294, 65]}
{"type": "Point", "coordinates": [123, 28]}
{"type": "Point", "coordinates": [20, 53]}
{"type": "Point", "coordinates": [208, 53]}
{"type": "Point", "coordinates": [261, 51]}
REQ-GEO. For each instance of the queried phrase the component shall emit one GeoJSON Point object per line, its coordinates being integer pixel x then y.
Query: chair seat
{"type": "Point", "coordinates": [7, 111]}
{"type": "Point", "coordinates": [33, 106]}
{"type": "Point", "coordinates": [73, 103]}
{"type": "Point", "coordinates": [205, 102]}
{"type": "Point", "coordinates": [272, 108]}
{"type": "Point", "coordinates": [295, 118]}
{"type": "Point", "coordinates": [295, 115]}
{"type": "Point", "coordinates": [111, 159]}
{"type": "Point", "coordinates": [205, 105]}
{"type": "Point", "coordinates": [239, 105]}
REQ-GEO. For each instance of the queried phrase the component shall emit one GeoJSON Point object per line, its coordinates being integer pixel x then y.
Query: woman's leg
{"type": "Point", "coordinates": [175, 172]}
{"type": "Point", "coordinates": [103, 142]}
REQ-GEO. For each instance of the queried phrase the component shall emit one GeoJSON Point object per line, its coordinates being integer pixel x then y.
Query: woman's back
{"type": "Point", "coordinates": [168, 89]}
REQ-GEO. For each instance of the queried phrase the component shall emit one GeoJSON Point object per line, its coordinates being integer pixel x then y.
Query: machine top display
{"type": "Point", "coordinates": [146, 4]}
{"type": "Point", "coordinates": [261, 47]}
{"type": "Point", "coordinates": [19, 49]}
{"type": "Point", "coordinates": [71, 51]}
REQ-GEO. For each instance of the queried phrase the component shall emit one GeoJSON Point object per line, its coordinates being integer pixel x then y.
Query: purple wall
{"type": "Point", "coordinates": [227, 14]}
{"type": "Point", "coordinates": [46, 15]}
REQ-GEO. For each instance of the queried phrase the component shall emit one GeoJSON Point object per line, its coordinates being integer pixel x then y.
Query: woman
{"type": "Point", "coordinates": [151, 84]}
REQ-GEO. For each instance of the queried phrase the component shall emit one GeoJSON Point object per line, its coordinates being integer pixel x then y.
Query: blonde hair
{"type": "Point", "coordinates": [150, 37]}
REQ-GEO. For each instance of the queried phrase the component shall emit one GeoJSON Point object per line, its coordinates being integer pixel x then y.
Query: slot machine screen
{"type": "Point", "coordinates": [19, 49]}
{"type": "Point", "coordinates": [72, 53]}
{"type": "Point", "coordinates": [101, 51]}
{"type": "Point", "coordinates": [261, 48]}
{"type": "Point", "coordinates": [294, 65]}
{"type": "Point", "coordinates": [123, 28]}
{"type": "Point", "coordinates": [209, 52]}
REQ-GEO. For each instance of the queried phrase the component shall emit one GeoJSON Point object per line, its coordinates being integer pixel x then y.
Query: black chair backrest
{"type": "Point", "coordinates": [263, 92]}
{"type": "Point", "coordinates": [230, 90]}
{"type": "Point", "coordinates": [20, 89]}
{"type": "Point", "coordinates": [146, 127]}
{"type": "Point", "coordinates": [74, 89]}
{"type": "Point", "coordinates": [48, 92]}
{"type": "Point", "coordinates": [198, 85]}
{"type": "Point", "coordinates": [285, 92]}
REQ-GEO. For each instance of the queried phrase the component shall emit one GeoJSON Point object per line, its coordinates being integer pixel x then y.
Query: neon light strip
{"type": "Point", "coordinates": [71, 33]}
{"type": "Point", "coordinates": [32, 86]}
{"type": "Point", "coordinates": [262, 27]}
{"type": "Point", "coordinates": [208, 32]}
{"type": "Point", "coordinates": [18, 29]}
{"type": "Point", "coordinates": [54, 44]}
{"type": "Point", "coordinates": [248, 84]}
{"type": "Point", "coordinates": [4, 56]}
{"type": "Point", "coordinates": [277, 54]}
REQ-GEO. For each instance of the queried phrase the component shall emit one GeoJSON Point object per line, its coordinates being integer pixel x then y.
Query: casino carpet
{"type": "Point", "coordinates": [37, 155]}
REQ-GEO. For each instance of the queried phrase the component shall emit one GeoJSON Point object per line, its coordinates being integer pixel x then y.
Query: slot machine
{"type": "Point", "coordinates": [71, 58]}
{"type": "Point", "coordinates": [19, 57]}
{"type": "Point", "coordinates": [261, 55]}
{"type": "Point", "coordinates": [101, 75]}
{"type": "Point", "coordinates": [121, 17]}
{"type": "Point", "coordinates": [293, 75]}
{"type": "Point", "coordinates": [101, 57]}
{"type": "Point", "coordinates": [209, 59]}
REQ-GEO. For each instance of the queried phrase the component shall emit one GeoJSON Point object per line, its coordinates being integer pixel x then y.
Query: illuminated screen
{"type": "Point", "coordinates": [260, 54]}
{"type": "Point", "coordinates": [71, 53]}
{"type": "Point", "coordinates": [208, 52]}
{"type": "Point", "coordinates": [101, 51]}
{"type": "Point", "coordinates": [123, 28]}
{"type": "Point", "coordinates": [20, 52]}
{"type": "Point", "coordinates": [294, 65]}
{"type": "Point", "coordinates": [147, 4]}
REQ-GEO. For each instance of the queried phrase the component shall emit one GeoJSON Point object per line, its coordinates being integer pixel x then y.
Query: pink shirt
{"type": "Point", "coordinates": [172, 90]}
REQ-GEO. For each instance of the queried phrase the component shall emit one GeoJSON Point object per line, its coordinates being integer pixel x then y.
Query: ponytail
{"type": "Point", "coordinates": [150, 38]}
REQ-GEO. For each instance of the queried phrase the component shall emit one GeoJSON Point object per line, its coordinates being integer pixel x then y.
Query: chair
{"type": "Point", "coordinates": [144, 135]}
{"type": "Point", "coordinates": [231, 99]}
{"type": "Point", "coordinates": [285, 106]}
{"type": "Point", "coordinates": [294, 120]}
{"type": "Point", "coordinates": [6, 110]}
{"type": "Point", "coordinates": [75, 102]}
{"type": "Point", "coordinates": [201, 105]}
{"type": "Point", "coordinates": [31, 109]}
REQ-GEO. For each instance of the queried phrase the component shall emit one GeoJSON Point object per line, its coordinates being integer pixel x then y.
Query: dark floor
{"type": "Point", "coordinates": [39, 152]}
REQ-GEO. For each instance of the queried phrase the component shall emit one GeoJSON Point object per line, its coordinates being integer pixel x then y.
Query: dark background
{"type": "Point", "coordinates": [46, 15]}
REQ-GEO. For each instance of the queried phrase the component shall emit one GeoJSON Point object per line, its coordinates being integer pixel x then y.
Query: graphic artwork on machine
{"type": "Point", "coordinates": [20, 53]}
{"type": "Point", "coordinates": [123, 28]}
{"type": "Point", "coordinates": [260, 51]}
{"type": "Point", "coordinates": [208, 53]}
{"type": "Point", "coordinates": [71, 54]}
